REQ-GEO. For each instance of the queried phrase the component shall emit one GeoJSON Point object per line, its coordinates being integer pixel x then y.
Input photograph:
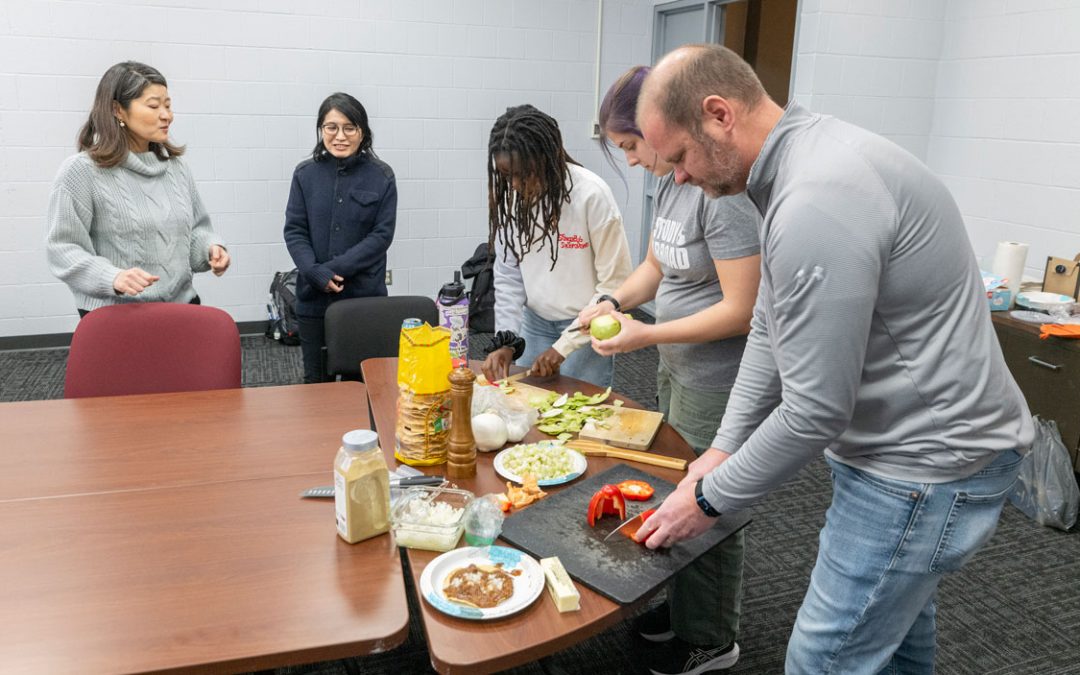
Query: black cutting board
{"type": "Point", "coordinates": [620, 568]}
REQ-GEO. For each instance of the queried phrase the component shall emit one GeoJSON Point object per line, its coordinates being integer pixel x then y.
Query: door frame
{"type": "Point", "coordinates": [712, 29]}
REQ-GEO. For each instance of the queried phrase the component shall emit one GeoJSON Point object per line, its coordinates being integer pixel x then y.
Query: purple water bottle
{"type": "Point", "coordinates": [453, 305]}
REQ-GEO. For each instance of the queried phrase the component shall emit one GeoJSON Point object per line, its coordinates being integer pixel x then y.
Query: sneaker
{"type": "Point", "coordinates": [683, 658]}
{"type": "Point", "coordinates": [655, 624]}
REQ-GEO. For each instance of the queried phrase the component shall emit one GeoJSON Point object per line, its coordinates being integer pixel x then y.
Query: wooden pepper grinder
{"type": "Point", "coordinates": [461, 456]}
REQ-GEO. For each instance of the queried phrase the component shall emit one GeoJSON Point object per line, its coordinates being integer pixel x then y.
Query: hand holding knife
{"type": "Point", "coordinates": [633, 523]}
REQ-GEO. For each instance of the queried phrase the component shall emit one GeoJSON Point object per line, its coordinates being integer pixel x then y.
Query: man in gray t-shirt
{"type": "Point", "coordinates": [690, 232]}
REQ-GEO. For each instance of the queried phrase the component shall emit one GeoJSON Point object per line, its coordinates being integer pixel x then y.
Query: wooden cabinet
{"type": "Point", "coordinates": [1048, 372]}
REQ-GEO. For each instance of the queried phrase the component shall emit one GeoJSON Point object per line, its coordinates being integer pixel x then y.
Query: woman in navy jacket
{"type": "Point", "coordinates": [339, 222]}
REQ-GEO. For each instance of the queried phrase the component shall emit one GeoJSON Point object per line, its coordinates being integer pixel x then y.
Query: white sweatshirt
{"type": "Point", "coordinates": [594, 259]}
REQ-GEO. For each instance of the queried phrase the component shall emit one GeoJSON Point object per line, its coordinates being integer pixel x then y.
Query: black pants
{"type": "Point", "coordinates": [312, 343]}
{"type": "Point", "coordinates": [193, 301]}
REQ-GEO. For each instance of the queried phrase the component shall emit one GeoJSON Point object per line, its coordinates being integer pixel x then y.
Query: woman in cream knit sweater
{"type": "Point", "coordinates": [126, 223]}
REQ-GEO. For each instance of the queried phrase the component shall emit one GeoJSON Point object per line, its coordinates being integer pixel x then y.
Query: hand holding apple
{"type": "Point", "coordinates": [626, 336]}
{"type": "Point", "coordinates": [604, 327]}
{"type": "Point", "coordinates": [590, 312]}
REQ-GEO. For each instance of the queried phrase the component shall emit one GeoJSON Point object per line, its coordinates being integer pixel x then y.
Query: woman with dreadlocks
{"type": "Point", "coordinates": [559, 243]}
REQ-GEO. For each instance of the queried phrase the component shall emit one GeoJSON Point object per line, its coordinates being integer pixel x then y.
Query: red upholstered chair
{"type": "Point", "coordinates": [152, 347]}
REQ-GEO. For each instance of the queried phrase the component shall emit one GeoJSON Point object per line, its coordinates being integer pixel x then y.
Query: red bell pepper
{"type": "Point", "coordinates": [631, 529]}
{"type": "Point", "coordinates": [608, 501]}
{"type": "Point", "coordinates": [636, 490]}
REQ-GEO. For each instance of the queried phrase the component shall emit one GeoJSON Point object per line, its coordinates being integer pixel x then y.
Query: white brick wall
{"type": "Point", "coordinates": [1005, 134]}
{"type": "Point", "coordinates": [872, 64]}
{"type": "Point", "coordinates": [984, 92]}
{"type": "Point", "coordinates": [246, 82]}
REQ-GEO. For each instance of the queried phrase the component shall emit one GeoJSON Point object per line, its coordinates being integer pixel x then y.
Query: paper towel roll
{"type": "Point", "coordinates": [1009, 261]}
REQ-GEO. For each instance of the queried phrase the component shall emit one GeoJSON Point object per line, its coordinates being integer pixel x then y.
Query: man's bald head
{"type": "Point", "coordinates": [681, 80]}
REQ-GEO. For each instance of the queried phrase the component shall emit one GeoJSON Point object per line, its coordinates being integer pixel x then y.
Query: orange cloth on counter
{"type": "Point", "coordinates": [1058, 330]}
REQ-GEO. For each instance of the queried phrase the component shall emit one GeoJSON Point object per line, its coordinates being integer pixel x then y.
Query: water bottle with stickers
{"type": "Point", "coordinates": [453, 306]}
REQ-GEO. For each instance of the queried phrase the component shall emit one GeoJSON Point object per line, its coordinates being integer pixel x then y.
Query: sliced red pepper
{"type": "Point", "coordinates": [631, 528]}
{"type": "Point", "coordinates": [607, 501]}
{"type": "Point", "coordinates": [614, 502]}
{"type": "Point", "coordinates": [596, 507]}
{"type": "Point", "coordinates": [636, 490]}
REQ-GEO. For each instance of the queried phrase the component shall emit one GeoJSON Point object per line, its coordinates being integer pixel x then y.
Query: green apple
{"type": "Point", "coordinates": [604, 327]}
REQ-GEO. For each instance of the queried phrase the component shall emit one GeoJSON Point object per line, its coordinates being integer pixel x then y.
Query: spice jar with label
{"type": "Point", "coordinates": [361, 487]}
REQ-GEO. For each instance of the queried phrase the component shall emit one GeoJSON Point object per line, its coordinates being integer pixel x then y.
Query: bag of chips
{"type": "Point", "coordinates": [423, 409]}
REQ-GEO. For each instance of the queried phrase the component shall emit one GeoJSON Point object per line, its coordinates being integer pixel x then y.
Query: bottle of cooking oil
{"type": "Point", "coordinates": [361, 487]}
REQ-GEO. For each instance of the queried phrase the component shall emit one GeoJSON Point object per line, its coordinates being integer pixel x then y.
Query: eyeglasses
{"type": "Point", "coordinates": [332, 129]}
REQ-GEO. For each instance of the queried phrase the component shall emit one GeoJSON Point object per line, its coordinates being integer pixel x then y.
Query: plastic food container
{"type": "Point", "coordinates": [430, 518]}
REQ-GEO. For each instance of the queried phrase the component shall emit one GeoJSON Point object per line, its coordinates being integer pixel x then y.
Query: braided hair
{"type": "Point", "coordinates": [531, 143]}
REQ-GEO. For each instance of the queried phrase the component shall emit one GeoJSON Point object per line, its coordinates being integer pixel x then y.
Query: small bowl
{"type": "Point", "coordinates": [414, 521]}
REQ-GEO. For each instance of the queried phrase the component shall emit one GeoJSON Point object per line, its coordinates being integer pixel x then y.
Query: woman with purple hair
{"type": "Point", "coordinates": [702, 269]}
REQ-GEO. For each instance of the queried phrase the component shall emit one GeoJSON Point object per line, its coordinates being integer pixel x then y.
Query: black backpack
{"type": "Point", "coordinates": [480, 268]}
{"type": "Point", "coordinates": [283, 325]}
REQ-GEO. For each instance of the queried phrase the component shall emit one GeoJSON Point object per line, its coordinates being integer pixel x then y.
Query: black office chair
{"type": "Point", "coordinates": [364, 328]}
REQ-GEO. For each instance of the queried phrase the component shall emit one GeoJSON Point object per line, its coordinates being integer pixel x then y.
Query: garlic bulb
{"type": "Point", "coordinates": [489, 431]}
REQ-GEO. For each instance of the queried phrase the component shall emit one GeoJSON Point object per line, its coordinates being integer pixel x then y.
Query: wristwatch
{"type": "Point", "coordinates": [703, 503]}
{"type": "Point", "coordinates": [612, 300]}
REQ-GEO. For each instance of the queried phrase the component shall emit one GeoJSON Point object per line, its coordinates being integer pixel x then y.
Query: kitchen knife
{"type": "Point", "coordinates": [515, 377]}
{"type": "Point", "coordinates": [509, 378]}
{"type": "Point", "coordinates": [639, 518]}
{"type": "Point", "coordinates": [327, 491]}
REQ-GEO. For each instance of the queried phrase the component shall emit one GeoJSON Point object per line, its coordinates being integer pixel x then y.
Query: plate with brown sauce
{"type": "Point", "coordinates": [482, 582]}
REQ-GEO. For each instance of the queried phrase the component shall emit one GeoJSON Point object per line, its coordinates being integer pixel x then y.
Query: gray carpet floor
{"type": "Point", "coordinates": [1014, 610]}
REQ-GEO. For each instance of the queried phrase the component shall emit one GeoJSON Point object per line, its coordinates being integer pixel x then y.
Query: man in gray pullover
{"type": "Point", "coordinates": [871, 341]}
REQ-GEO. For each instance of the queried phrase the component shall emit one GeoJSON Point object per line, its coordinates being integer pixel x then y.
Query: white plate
{"type": "Point", "coordinates": [1042, 300]}
{"type": "Point", "coordinates": [527, 585]}
{"type": "Point", "coordinates": [578, 459]}
{"type": "Point", "coordinates": [1030, 317]}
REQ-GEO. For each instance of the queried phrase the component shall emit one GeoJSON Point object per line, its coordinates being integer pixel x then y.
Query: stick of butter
{"type": "Point", "coordinates": [559, 584]}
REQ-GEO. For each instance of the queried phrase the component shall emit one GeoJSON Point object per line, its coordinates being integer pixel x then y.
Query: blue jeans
{"type": "Point", "coordinates": [884, 548]}
{"type": "Point", "coordinates": [583, 364]}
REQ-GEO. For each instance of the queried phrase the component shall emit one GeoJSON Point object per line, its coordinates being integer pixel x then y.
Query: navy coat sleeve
{"type": "Point", "coordinates": [298, 237]}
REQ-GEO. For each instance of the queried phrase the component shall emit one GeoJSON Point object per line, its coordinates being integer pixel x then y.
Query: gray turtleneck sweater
{"type": "Point", "coordinates": [871, 337]}
{"type": "Point", "coordinates": [143, 213]}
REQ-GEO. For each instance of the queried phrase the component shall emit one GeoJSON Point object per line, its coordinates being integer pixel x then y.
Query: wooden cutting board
{"type": "Point", "coordinates": [627, 427]}
{"type": "Point", "coordinates": [527, 392]}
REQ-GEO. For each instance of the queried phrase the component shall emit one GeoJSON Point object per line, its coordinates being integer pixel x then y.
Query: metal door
{"type": "Point", "coordinates": [675, 24]}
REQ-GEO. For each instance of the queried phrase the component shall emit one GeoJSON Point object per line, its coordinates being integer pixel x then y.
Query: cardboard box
{"type": "Point", "coordinates": [1062, 276]}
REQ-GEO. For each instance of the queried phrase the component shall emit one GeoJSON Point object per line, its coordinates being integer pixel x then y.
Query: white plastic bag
{"type": "Point", "coordinates": [519, 417]}
{"type": "Point", "coordinates": [1045, 489]}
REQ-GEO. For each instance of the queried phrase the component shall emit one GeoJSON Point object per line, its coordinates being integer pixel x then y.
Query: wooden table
{"type": "Point", "coordinates": [64, 447]}
{"type": "Point", "coordinates": [164, 532]}
{"type": "Point", "coordinates": [461, 646]}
